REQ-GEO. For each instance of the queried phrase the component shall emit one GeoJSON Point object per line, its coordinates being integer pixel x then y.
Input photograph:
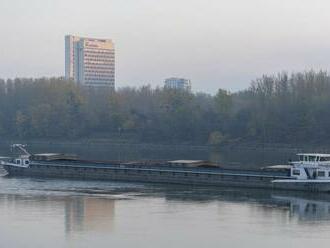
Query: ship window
{"type": "Point", "coordinates": [321, 173]}
{"type": "Point", "coordinates": [296, 172]}
{"type": "Point", "coordinates": [26, 161]}
{"type": "Point", "coordinates": [312, 158]}
{"type": "Point", "coordinates": [325, 159]}
{"type": "Point", "coordinates": [18, 161]}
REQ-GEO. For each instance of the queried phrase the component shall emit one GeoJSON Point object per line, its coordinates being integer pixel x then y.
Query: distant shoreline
{"type": "Point", "coordinates": [179, 146]}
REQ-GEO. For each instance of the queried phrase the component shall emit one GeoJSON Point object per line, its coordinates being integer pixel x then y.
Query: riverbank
{"type": "Point", "coordinates": [248, 146]}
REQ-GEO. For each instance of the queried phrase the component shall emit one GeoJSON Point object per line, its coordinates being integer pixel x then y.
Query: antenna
{"type": "Point", "coordinates": [20, 147]}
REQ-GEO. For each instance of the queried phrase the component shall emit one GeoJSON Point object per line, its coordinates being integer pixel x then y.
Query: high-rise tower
{"type": "Point", "coordinates": [89, 61]}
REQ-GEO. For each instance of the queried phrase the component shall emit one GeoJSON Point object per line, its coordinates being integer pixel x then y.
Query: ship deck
{"type": "Point", "coordinates": [160, 166]}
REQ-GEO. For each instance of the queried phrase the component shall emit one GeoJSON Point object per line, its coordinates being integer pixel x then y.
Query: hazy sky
{"type": "Point", "coordinates": [215, 43]}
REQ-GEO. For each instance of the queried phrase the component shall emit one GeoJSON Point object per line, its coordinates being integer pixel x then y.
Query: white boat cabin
{"type": "Point", "coordinates": [311, 166]}
{"type": "Point", "coordinates": [22, 161]}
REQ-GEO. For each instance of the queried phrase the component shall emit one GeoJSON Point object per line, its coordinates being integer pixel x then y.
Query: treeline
{"type": "Point", "coordinates": [284, 108]}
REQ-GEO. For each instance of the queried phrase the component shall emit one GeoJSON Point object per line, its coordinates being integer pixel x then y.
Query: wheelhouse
{"type": "Point", "coordinates": [312, 160]}
{"type": "Point", "coordinates": [314, 157]}
{"type": "Point", "coordinates": [311, 166]}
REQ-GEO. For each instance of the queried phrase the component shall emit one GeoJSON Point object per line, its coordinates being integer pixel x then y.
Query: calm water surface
{"type": "Point", "coordinates": [65, 213]}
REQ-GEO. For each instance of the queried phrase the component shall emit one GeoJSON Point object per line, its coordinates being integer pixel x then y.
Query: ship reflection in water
{"type": "Point", "coordinates": [88, 213]}
{"type": "Point", "coordinates": [150, 216]}
{"type": "Point", "coordinates": [300, 206]}
{"type": "Point", "coordinates": [306, 209]}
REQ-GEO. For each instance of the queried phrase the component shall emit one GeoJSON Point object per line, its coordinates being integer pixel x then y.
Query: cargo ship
{"type": "Point", "coordinates": [310, 173]}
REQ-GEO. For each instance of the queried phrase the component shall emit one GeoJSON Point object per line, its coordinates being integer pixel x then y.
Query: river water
{"type": "Point", "coordinates": [73, 213]}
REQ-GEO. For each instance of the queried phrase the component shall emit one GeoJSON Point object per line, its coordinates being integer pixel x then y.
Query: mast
{"type": "Point", "coordinates": [22, 148]}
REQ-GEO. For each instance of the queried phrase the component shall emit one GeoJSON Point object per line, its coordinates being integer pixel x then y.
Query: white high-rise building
{"type": "Point", "coordinates": [89, 61]}
{"type": "Point", "coordinates": [177, 83]}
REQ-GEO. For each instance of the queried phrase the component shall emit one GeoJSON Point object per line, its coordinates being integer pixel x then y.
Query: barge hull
{"type": "Point", "coordinates": [165, 176]}
{"type": "Point", "coordinates": [303, 185]}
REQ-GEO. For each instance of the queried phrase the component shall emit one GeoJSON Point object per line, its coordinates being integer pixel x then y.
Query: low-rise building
{"type": "Point", "coordinates": [177, 83]}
